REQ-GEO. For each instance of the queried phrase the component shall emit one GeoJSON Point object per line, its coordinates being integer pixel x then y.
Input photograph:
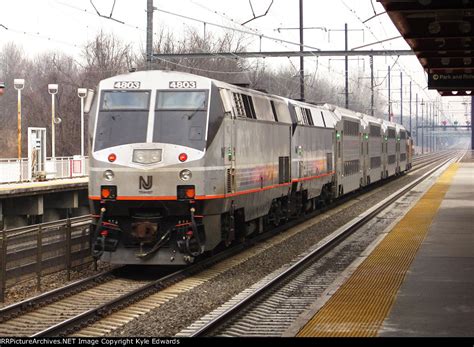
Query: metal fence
{"type": "Point", "coordinates": [37, 250]}
{"type": "Point", "coordinates": [20, 170]}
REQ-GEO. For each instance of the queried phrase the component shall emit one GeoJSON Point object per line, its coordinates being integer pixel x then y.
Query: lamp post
{"type": "Point", "coordinates": [19, 84]}
{"type": "Point", "coordinates": [53, 90]}
{"type": "Point", "coordinates": [82, 93]}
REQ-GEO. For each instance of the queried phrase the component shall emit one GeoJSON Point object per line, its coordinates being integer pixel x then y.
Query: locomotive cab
{"type": "Point", "coordinates": [149, 134]}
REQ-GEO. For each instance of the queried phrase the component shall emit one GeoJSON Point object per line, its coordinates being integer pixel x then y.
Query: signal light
{"type": "Point", "coordinates": [112, 157]}
{"type": "Point", "coordinates": [108, 192]}
{"type": "Point", "coordinates": [183, 157]}
{"type": "Point", "coordinates": [105, 193]}
{"type": "Point", "coordinates": [190, 193]}
{"type": "Point", "coordinates": [186, 192]}
{"type": "Point", "coordinates": [104, 233]}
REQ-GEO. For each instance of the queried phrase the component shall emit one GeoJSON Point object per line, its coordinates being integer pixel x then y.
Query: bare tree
{"type": "Point", "coordinates": [105, 56]}
{"type": "Point", "coordinates": [233, 70]}
{"type": "Point", "coordinates": [12, 65]}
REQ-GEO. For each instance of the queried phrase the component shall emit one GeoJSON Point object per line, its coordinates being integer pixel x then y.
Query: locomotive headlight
{"type": "Point", "coordinates": [109, 175]}
{"type": "Point", "coordinates": [185, 175]}
{"type": "Point", "coordinates": [146, 156]}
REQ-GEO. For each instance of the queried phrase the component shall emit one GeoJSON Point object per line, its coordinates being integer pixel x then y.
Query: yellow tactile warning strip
{"type": "Point", "coordinates": [361, 304]}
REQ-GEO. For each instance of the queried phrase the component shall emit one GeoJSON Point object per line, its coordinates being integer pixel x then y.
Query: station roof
{"type": "Point", "coordinates": [441, 33]}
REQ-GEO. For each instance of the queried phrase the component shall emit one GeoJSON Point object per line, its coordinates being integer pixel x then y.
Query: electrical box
{"type": "Point", "coordinates": [36, 154]}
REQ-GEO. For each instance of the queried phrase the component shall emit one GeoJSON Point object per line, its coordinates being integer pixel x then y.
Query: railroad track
{"type": "Point", "coordinates": [68, 309]}
{"type": "Point", "coordinates": [268, 307]}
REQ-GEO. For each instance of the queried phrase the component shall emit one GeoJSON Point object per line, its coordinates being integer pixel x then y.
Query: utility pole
{"type": "Point", "coordinates": [433, 112]}
{"type": "Point", "coordinates": [422, 129]}
{"type": "Point", "coordinates": [428, 132]}
{"type": "Point", "coordinates": [302, 97]}
{"type": "Point", "coordinates": [435, 115]}
{"type": "Point", "coordinates": [149, 32]}
{"type": "Point", "coordinates": [410, 108]}
{"type": "Point", "coordinates": [401, 98]}
{"type": "Point", "coordinates": [416, 117]}
{"type": "Point", "coordinates": [346, 39]}
{"type": "Point", "coordinates": [372, 103]}
{"type": "Point", "coordinates": [389, 98]}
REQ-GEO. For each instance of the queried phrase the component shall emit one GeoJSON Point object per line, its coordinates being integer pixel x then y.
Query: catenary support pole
{"type": "Point", "coordinates": [149, 32]}
{"type": "Point", "coordinates": [302, 96]}
{"type": "Point", "coordinates": [346, 62]}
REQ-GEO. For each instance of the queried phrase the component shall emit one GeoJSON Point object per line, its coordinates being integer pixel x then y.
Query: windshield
{"type": "Point", "coordinates": [181, 117]}
{"type": "Point", "coordinates": [123, 118]}
{"type": "Point", "coordinates": [125, 100]}
{"type": "Point", "coordinates": [182, 100]}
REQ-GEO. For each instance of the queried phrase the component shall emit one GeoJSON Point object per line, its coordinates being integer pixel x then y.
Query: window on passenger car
{"type": "Point", "coordinates": [351, 128]}
{"type": "Point", "coordinates": [351, 167]}
{"type": "Point", "coordinates": [374, 131]}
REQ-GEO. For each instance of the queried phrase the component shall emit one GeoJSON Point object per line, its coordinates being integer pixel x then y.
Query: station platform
{"type": "Point", "coordinates": [419, 280]}
{"type": "Point", "coordinates": [26, 203]}
{"type": "Point", "coordinates": [9, 190]}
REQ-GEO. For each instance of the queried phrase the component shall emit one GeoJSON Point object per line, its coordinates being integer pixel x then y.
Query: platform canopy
{"type": "Point", "coordinates": [441, 33]}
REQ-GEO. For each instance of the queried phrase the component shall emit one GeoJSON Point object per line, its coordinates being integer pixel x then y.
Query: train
{"type": "Point", "coordinates": [182, 165]}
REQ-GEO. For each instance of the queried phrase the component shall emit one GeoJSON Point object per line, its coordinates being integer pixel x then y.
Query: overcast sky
{"type": "Point", "coordinates": [64, 25]}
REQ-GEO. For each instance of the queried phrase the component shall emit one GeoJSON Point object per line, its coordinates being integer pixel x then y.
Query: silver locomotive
{"type": "Point", "coordinates": [182, 164]}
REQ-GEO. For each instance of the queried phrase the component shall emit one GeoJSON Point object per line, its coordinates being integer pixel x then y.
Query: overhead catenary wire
{"type": "Point", "coordinates": [38, 35]}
